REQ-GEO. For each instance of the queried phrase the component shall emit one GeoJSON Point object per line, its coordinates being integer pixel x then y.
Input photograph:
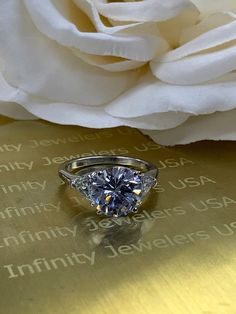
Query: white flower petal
{"type": "Point", "coordinates": [88, 7]}
{"type": "Point", "coordinates": [152, 96]}
{"type": "Point", "coordinates": [8, 107]}
{"type": "Point", "coordinates": [158, 121]}
{"type": "Point", "coordinates": [108, 63]}
{"type": "Point", "coordinates": [194, 62]}
{"type": "Point", "coordinates": [213, 38]}
{"type": "Point", "coordinates": [53, 24]}
{"type": "Point", "coordinates": [74, 114]}
{"type": "Point", "coordinates": [196, 69]}
{"type": "Point", "coordinates": [41, 67]}
{"type": "Point", "coordinates": [96, 117]}
{"type": "Point", "coordinates": [145, 11]}
{"type": "Point", "coordinates": [7, 92]}
{"type": "Point", "coordinates": [214, 21]}
{"type": "Point", "coordinates": [78, 67]}
{"type": "Point", "coordinates": [213, 6]}
{"type": "Point", "coordinates": [173, 29]}
{"type": "Point", "coordinates": [217, 126]}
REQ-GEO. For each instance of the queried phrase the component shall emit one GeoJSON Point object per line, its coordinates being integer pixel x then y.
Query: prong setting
{"type": "Point", "coordinates": [115, 191]}
{"type": "Point", "coordinates": [114, 185]}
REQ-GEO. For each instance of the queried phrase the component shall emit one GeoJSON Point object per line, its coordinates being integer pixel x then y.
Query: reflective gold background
{"type": "Point", "coordinates": [177, 256]}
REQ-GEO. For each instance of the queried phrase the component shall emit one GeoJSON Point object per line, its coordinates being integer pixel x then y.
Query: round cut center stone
{"type": "Point", "coordinates": [115, 191]}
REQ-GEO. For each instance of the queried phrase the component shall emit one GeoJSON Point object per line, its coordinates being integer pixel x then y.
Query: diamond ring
{"type": "Point", "coordinates": [115, 185]}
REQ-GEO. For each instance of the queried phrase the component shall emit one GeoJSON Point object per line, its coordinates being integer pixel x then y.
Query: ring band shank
{"type": "Point", "coordinates": [67, 169]}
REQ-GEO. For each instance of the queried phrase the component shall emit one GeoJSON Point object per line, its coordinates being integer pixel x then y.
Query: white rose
{"type": "Point", "coordinates": [166, 67]}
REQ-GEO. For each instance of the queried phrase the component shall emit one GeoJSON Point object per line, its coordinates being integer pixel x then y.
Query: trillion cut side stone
{"type": "Point", "coordinates": [115, 191]}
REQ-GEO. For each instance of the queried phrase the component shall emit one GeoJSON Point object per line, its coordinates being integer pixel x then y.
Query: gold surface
{"type": "Point", "coordinates": [178, 255]}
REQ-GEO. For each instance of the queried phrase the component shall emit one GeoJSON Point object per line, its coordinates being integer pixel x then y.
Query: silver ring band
{"type": "Point", "coordinates": [68, 168]}
{"type": "Point", "coordinates": [116, 185]}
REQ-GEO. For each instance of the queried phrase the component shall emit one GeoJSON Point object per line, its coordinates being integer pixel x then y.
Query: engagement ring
{"type": "Point", "coordinates": [115, 185]}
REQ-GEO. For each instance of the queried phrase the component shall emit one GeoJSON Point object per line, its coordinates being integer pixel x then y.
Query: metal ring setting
{"type": "Point", "coordinates": [115, 185]}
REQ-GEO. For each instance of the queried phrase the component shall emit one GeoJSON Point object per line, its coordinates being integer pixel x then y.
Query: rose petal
{"type": "Point", "coordinates": [213, 6]}
{"type": "Point", "coordinates": [74, 114]}
{"type": "Point", "coordinates": [196, 69]}
{"type": "Point", "coordinates": [41, 67]}
{"type": "Point", "coordinates": [217, 126]}
{"type": "Point", "coordinates": [184, 66]}
{"type": "Point", "coordinates": [145, 11]}
{"type": "Point", "coordinates": [150, 95]}
{"type": "Point", "coordinates": [214, 21]}
{"type": "Point", "coordinates": [107, 63]}
{"type": "Point", "coordinates": [88, 7]}
{"type": "Point", "coordinates": [54, 25]}
{"type": "Point", "coordinates": [213, 38]}
{"type": "Point", "coordinates": [157, 121]}
{"type": "Point", "coordinates": [173, 29]}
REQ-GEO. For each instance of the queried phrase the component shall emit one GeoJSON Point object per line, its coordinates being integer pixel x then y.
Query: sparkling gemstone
{"type": "Point", "coordinates": [115, 191]}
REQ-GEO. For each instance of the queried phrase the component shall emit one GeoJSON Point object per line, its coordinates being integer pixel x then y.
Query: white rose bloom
{"type": "Point", "coordinates": [166, 67]}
